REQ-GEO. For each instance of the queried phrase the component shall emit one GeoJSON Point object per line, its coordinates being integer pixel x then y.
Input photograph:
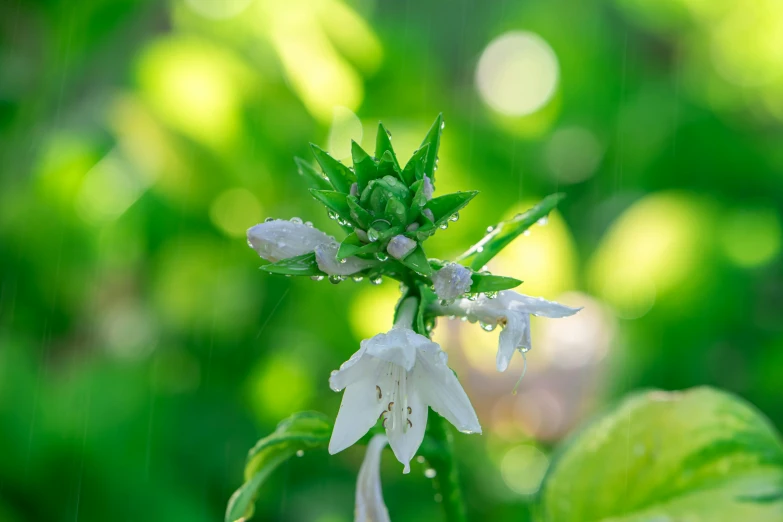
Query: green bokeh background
{"type": "Point", "coordinates": [142, 352]}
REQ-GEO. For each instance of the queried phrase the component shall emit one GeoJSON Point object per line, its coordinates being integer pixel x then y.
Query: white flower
{"type": "Point", "coordinates": [512, 311]}
{"type": "Point", "coordinates": [427, 188]}
{"type": "Point", "coordinates": [452, 281]}
{"type": "Point", "coordinates": [400, 246]}
{"type": "Point", "coordinates": [395, 376]}
{"type": "Point", "coordinates": [369, 497]}
{"type": "Point", "coordinates": [280, 239]}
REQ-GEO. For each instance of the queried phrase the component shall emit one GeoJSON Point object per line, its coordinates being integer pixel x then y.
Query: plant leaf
{"type": "Point", "coordinates": [339, 175]}
{"type": "Point", "coordinates": [443, 207]}
{"type": "Point", "coordinates": [313, 178]}
{"type": "Point", "coordinates": [304, 265]}
{"type": "Point", "coordinates": [352, 246]}
{"type": "Point", "coordinates": [414, 169]}
{"type": "Point", "coordinates": [387, 167]}
{"type": "Point", "coordinates": [417, 261]}
{"type": "Point", "coordinates": [383, 145]}
{"type": "Point", "coordinates": [433, 140]}
{"type": "Point", "coordinates": [299, 432]}
{"type": "Point", "coordinates": [506, 231]}
{"type": "Point", "coordinates": [701, 455]}
{"type": "Point", "coordinates": [334, 201]}
{"type": "Point", "coordinates": [491, 283]}
{"type": "Point", "coordinates": [365, 167]}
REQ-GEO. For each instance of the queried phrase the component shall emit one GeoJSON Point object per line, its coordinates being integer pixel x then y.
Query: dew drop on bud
{"type": "Point", "coordinates": [269, 220]}
{"type": "Point", "coordinates": [376, 280]}
{"type": "Point", "coordinates": [357, 279]}
{"type": "Point", "coordinates": [343, 261]}
{"type": "Point", "coordinates": [317, 278]}
{"type": "Point", "coordinates": [487, 327]}
{"type": "Point", "coordinates": [332, 214]}
{"type": "Point", "coordinates": [335, 279]}
{"type": "Point", "coordinates": [373, 235]}
{"type": "Point", "coordinates": [381, 256]}
{"type": "Point", "coordinates": [524, 349]}
{"type": "Point", "coordinates": [296, 220]}
{"type": "Point", "coordinates": [309, 224]}
{"type": "Point", "coordinates": [443, 226]}
{"type": "Point", "coordinates": [491, 295]}
{"type": "Point", "coordinates": [454, 217]}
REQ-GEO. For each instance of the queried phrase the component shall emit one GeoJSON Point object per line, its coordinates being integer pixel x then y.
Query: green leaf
{"type": "Point", "coordinates": [383, 145]}
{"type": "Point", "coordinates": [313, 178]}
{"type": "Point", "coordinates": [491, 283]}
{"type": "Point", "coordinates": [359, 215]}
{"type": "Point", "coordinates": [417, 261]}
{"type": "Point", "coordinates": [365, 167]}
{"type": "Point", "coordinates": [300, 432]}
{"type": "Point", "coordinates": [304, 265]}
{"type": "Point", "coordinates": [506, 231]}
{"type": "Point", "coordinates": [701, 455]}
{"type": "Point", "coordinates": [432, 139]}
{"type": "Point", "coordinates": [443, 207]}
{"type": "Point", "coordinates": [387, 166]}
{"type": "Point", "coordinates": [396, 212]}
{"type": "Point", "coordinates": [428, 298]}
{"type": "Point", "coordinates": [339, 175]}
{"type": "Point", "coordinates": [353, 246]}
{"type": "Point", "coordinates": [334, 201]}
{"type": "Point", "coordinates": [414, 169]}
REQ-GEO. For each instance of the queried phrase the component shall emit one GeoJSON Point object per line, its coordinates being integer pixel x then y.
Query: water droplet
{"type": "Point", "coordinates": [317, 278]}
{"type": "Point", "coordinates": [373, 235]}
{"type": "Point", "coordinates": [454, 217]}
{"type": "Point", "coordinates": [376, 280]}
{"type": "Point", "coordinates": [543, 221]}
{"type": "Point", "coordinates": [300, 453]}
{"type": "Point", "coordinates": [269, 220]}
{"type": "Point", "coordinates": [357, 279]}
{"type": "Point", "coordinates": [335, 279]}
{"type": "Point", "coordinates": [442, 125]}
{"type": "Point", "coordinates": [472, 297]}
{"type": "Point", "coordinates": [464, 319]}
{"type": "Point", "coordinates": [480, 249]}
{"type": "Point", "coordinates": [381, 256]}
{"type": "Point", "coordinates": [296, 220]}
{"type": "Point", "coordinates": [430, 473]}
{"type": "Point", "coordinates": [388, 133]}
{"type": "Point", "coordinates": [491, 295]}
{"type": "Point", "coordinates": [487, 327]}
{"type": "Point", "coordinates": [443, 226]}
{"type": "Point", "coordinates": [490, 229]}
{"type": "Point", "coordinates": [332, 214]}
{"type": "Point", "coordinates": [524, 349]}
{"type": "Point", "coordinates": [343, 261]}
{"type": "Point", "coordinates": [309, 224]}
{"type": "Point", "coordinates": [526, 232]}
{"type": "Point", "coordinates": [341, 221]}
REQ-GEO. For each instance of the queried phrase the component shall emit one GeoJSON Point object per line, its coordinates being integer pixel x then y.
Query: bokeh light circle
{"type": "Point", "coordinates": [218, 9]}
{"type": "Point", "coordinates": [517, 73]}
{"type": "Point", "coordinates": [523, 468]}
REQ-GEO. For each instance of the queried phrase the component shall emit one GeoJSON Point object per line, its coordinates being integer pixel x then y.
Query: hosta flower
{"type": "Point", "coordinates": [452, 281]}
{"type": "Point", "coordinates": [369, 497]}
{"type": "Point", "coordinates": [400, 246]}
{"type": "Point", "coordinates": [280, 239]}
{"type": "Point", "coordinates": [512, 311]}
{"type": "Point", "coordinates": [395, 376]}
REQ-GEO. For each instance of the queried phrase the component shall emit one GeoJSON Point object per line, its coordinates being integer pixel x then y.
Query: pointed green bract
{"type": "Point", "coordinates": [313, 178]}
{"type": "Point", "coordinates": [417, 261]}
{"type": "Point", "coordinates": [360, 216]}
{"type": "Point", "coordinates": [443, 207]}
{"type": "Point", "coordinates": [506, 231]}
{"type": "Point", "coordinates": [339, 175]}
{"type": "Point", "coordinates": [414, 169]}
{"type": "Point", "coordinates": [432, 139]}
{"type": "Point", "coordinates": [387, 167]}
{"type": "Point", "coordinates": [304, 265]}
{"type": "Point", "coordinates": [334, 201]}
{"type": "Point", "coordinates": [492, 283]}
{"type": "Point", "coordinates": [353, 246]}
{"type": "Point", "coordinates": [300, 432]}
{"type": "Point", "coordinates": [383, 145]}
{"type": "Point", "coordinates": [363, 165]}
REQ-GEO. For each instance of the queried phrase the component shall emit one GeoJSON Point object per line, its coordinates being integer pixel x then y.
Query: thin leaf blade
{"type": "Point", "coordinates": [304, 265]}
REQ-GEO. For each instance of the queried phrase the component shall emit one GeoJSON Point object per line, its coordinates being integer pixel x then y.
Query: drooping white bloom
{"type": "Point", "coordinates": [452, 281]}
{"type": "Point", "coordinates": [280, 239]}
{"type": "Point", "coordinates": [512, 311]}
{"type": "Point", "coordinates": [395, 376]}
{"type": "Point", "coordinates": [400, 246]}
{"type": "Point", "coordinates": [369, 497]}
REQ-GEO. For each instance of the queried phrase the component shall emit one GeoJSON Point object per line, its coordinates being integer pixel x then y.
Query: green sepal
{"type": "Point", "coordinates": [301, 431]}
{"type": "Point", "coordinates": [507, 231]}
{"type": "Point", "coordinates": [359, 215]}
{"type": "Point", "coordinates": [353, 246]}
{"type": "Point", "coordinates": [387, 166]}
{"type": "Point", "coordinates": [340, 176]}
{"type": "Point", "coordinates": [313, 178]}
{"type": "Point", "coordinates": [433, 140]}
{"type": "Point", "coordinates": [380, 191]}
{"type": "Point", "coordinates": [491, 283]}
{"type": "Point", "coordinates": [334, 201]}
{"type": "Point", "coordinates": [443, 207]}
{"type": "Point", "coordinates": [396, 212]}
{"type": "Point", "coordinates": [414, 169]}
{"type": "Point", "coordinates": [364, 166]}
{"type": "Point", "coordinates": [383, 145]}
{"type": "Point", "coordinates": [417, 261]}
{"type": "Point", "coordinates": [428, 297]}
{"type": "Point", "coordinates": [303, 265]}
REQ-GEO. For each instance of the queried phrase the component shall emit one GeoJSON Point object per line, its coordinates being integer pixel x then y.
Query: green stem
{"type": "Point", "coordinates": [438, 449]}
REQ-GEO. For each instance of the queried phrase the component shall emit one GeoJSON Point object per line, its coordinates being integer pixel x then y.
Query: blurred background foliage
{"type": "Point", "coordinates": [141, 351]}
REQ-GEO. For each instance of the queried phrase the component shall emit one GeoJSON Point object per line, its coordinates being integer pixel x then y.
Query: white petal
{"type": "Point", "coordinates": [441, 390]}
{"type": "Point", "coordinates": [357, 367]}
{"type": "Point", "coordinates": [452, 281]}
{"type": "Point", "coordinates": [405, 437]}
{"type": "Point", "coordinates": [369, 497]}
{"type": "Point", "coordinates": [427, 188]}
{"type": "Point", "coordinates": [280, 239]}
{"type": "Point", "coordinates": [398, 346]}
{"type": "Point", "coordinates": [516, 333]}
{"type": "Point", "coordinates": [400, 246]}
{"type": "Point", "coordinates": [325, 256]}
{"type": "Point", "coordinates": [359, 411]}
{"type": "Point", "coordinates": [539, 306]}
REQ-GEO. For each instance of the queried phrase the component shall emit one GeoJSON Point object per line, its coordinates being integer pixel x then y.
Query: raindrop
{"type": "Point", "coordinates": [341, 221]}
{"type": "Point", "coordinates": [269, 220]}
{"type": "Point", "coordinates": [452, 317]}
{"type": "Point", "coordinates": [343, 261]}
{"type": "Point", "coordinates": [472, 297]}
{"type": "Point", "coordinates": [373, 235]}
{"type": "Point", "coordinates": [309, 224]}
{"type": "Point", "coordinates": [524, 349]}
{"type": "Point", "coordinates": [443, 226]}
{"type": "Point", "coordinates": [480, 249]}
{"type": "Point", "coordinates": [381, 256]}
{"type": "Point", "coordinates": [454, 217]}
{"type": "Point", "coordinates": [446, 302]}
{"type": "Point", "coordinates": [430, 473]}
{"type": "Point", "coordinates": [300, 453]}
{"type": "Point", "coordinates": [332, 214]}
{"type": "Point", "coordinates": [376, 280]}
{"type": "Point", "coordinates": [491, 295]}
{"type": "Point", "coordinates": [526, 232]}
{"type": "Point", "coordinates": [543, 221]}
{"type": "Point", "coordinates": [296, 220]}
{"type": "Point", "coordinates": [442, 125]}
{"type": "Point", "coordinates": [317, 278]}
{"type": "Point", "coordinates": [487, 327]}
{"type": "Point", "coordinates": [490, 229]}
{"type": "Point", "coordinates": [335, 279]}
{"type": "Point", "coordinates": [464, 319]}
{"type": "Point", "coordinates": [357, 279]}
